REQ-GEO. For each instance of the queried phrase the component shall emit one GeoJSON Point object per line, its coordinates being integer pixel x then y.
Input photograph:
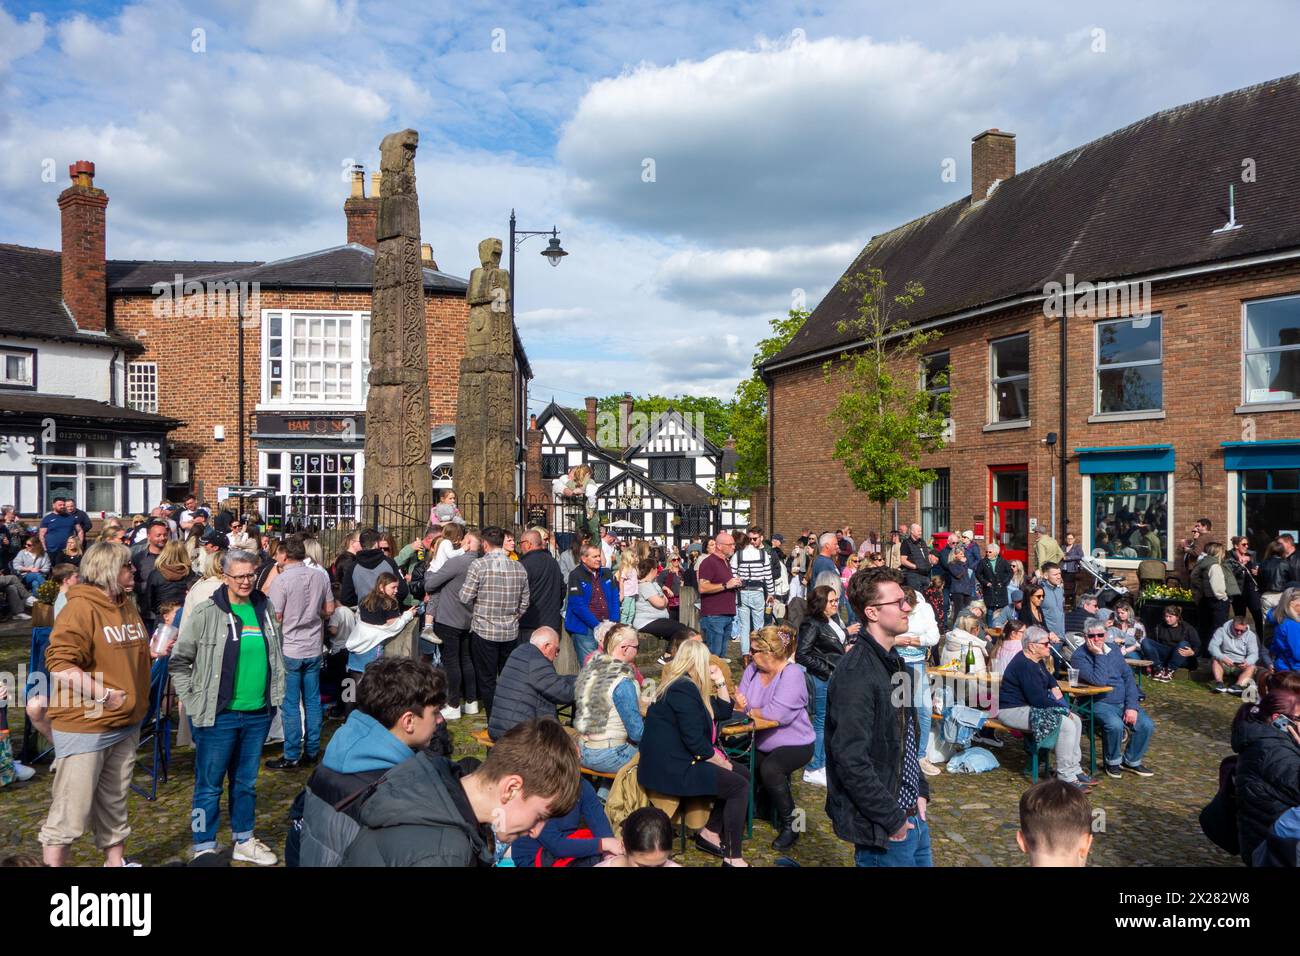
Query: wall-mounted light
{"type": "Point", "coordinates": [218, 432]}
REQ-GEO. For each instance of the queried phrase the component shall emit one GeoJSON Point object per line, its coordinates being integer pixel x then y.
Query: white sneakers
{"type": "Point", "coordinates": [470, 707]}
{"type": "Point", "coordinates": [451, 713]}
{"type": "Point", "coordinates": [23, 771]}
{"type": "Point", "coordinates": [22, 617]}
{"type": "Point", "coordinates": [816, 777]}
{"type": "Point", "coordinates": [254, 851]}
{"type": "Point", "coordinates": [929, 769]}
{"type": "Point", "coordinates": [31, 600]}
{"type": "Point", "coordinates": [428, 635]}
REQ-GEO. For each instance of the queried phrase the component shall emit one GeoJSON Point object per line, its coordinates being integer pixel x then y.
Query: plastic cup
{"type": "Point", "coordinates": [162, 636]}
{"type": "Point", "coordinates": [1072, 674]}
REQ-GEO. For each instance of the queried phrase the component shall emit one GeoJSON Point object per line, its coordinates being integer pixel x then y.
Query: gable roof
{"type": "Point", "coordinates": [1136, 202]}
{"type": "Point", "coordinates": [664, 418]}
{"type": "Point", "coordinates": [31, 301]}
{"type": "Point", "coordinates": [31, 405]}
{"type": "Point", "coordinates": [679, 492]}
{"type": "Point", "coordinates": [570, 421]}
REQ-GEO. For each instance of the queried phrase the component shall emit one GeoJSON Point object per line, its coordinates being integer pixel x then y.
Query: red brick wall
{"type": "Point", "coordinates": [198, 375]}
{"type": "Point", "coordinates": [1202, 323]}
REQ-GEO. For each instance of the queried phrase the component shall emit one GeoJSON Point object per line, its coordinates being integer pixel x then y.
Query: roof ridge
{"type": "Point", "coordinates": [15, 247]}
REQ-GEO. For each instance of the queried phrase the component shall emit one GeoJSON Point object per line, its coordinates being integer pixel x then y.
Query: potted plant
{"type": "Point", "coordinates": [43, 609]}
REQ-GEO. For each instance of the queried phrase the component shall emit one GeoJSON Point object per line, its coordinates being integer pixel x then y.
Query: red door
{"type": "Point", "coordinates": [1009, 510]}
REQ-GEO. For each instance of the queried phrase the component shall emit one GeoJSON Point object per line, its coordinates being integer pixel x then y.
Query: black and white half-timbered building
{"type": "Point", "coordinates": [661, 485]}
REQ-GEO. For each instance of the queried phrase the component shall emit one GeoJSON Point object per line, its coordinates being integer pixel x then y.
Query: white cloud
{"type": "Point", "coordinates": [750, 280]}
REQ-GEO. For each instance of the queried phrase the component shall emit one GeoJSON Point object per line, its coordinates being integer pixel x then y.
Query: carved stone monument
{"type": "Point", "coordinates": [397, 407]}
{"type": "Point", "coordinates": [485, 406]}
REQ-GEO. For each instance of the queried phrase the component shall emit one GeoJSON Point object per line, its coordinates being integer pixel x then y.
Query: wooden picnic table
{"type": "Point", "coordinates": [1140, 666]}
{"type": "Point", "coordinates": [1083, 698]}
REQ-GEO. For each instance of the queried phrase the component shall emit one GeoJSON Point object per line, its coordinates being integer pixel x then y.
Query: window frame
{"type": "Point", "coordinates": [17, 351]}
{"type": "Point", "coordinates": [1097, 366]}
{"type": "Point", "coordinates": [134, 386]}
{"type": "Point", "coordinates": [995, 381]}
{"type": "Point", "coordinates": [686, 460]}
{"type": "Point", "coordinates": [928, 512]}
{"type": "Point", "coordinates": [560, 458]}
{"type": "Point", "coordinates": [1246, 352]}
{"type": "Point", "coordinates": [359, 359]}
{"type": "Point", "coordinates": [1088, 523]}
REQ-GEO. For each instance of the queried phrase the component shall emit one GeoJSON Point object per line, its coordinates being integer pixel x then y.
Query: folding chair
{"type": "Point", "coordinates": [36, 666]}
{"type": "Point", "coordinates": [157, 728]}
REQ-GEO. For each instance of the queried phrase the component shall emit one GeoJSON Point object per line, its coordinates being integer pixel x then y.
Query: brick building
{"type": "Point", "coordinates": [1170, 396]}
{"type": "Point", "coordinates": [265, 364]}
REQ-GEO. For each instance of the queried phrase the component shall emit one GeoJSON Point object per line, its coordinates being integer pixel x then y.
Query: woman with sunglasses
{"type": "Point", "coordinates": [822, 641]}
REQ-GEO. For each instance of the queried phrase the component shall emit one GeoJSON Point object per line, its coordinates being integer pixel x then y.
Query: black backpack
{"type": "Point", "coordinates": [1219, 818]}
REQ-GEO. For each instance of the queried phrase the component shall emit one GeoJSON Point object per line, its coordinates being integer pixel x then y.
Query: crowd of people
{"type": "Point", "coordinates": [263, 638]}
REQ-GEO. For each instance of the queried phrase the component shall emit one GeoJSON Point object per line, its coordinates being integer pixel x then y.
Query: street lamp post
{"type": "Point", "coordinates": [553, 252]}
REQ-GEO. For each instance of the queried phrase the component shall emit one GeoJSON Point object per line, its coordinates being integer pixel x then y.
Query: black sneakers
{"type": "Point", "coordinates": [279, 763]}
{"type": "Point", "coordinates": [1112, 770]}
{"type": "Point", "coordinates": [1142, 770]}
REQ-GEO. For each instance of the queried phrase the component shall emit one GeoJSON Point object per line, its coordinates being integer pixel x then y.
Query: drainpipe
{"type": "Point", "coordinates": [239, 337]}
{"type": "Point", "coordinates": [112, 378]}
{"type": "Point", "coordinates": [1065, 454]}
{"type": "Point", "coordinates": [771, 454]}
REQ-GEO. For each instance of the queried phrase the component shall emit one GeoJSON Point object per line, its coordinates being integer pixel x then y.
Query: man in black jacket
{"type": "Point", "coordinates": [994, 575]}
{"type": "Point", "coordinates": [546, 586]}
{"type": "Point", "coordinates": [876, 794]}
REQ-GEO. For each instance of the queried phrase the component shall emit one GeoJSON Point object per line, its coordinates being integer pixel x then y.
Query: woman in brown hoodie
{"type": "Point", "coordinates": [98, 660]}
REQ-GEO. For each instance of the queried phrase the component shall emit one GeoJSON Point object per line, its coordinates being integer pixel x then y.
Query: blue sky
{"type": "Point", "coordinates": [781, 137]}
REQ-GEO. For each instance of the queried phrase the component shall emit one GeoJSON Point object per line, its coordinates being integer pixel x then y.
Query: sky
{"type": "Point", "coordinates": [708, 165]}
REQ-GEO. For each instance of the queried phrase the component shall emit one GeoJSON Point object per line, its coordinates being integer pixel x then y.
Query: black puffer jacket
{"type": "Point", "coordinates": [1275, 575]}
{"type": "Point", "coordinates": [528, 687]}
{"type": "Point", "coordinates": [819, 649]}
{"type": "Point", "coordinates": [1268, 780]}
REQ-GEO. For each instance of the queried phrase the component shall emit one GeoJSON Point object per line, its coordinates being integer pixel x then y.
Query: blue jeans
{"type": "Point", "coordinates": [914, 850]}
{"type": "Point", "coordinates": [716, 630]}
{"type": "Point", "coordinates": [1111, 718]}
{"type": "Point", "coordinates": [32, 580]}
{"type": "Point", "coordinates": [584, 642]}
{"type": "Point", "coordinates": [750, 606]}
{"type": "Point", "coordinates": [301, 674]}
{"type": "Point", "coordinates": [1166, 658]}
{"type": "Point", "coordinates": [818, 724]}
{"type": "Point", "coordinates": [233, 744]}
{"type": "Point", "coordinates": [610, 760]}
{"type": "Point", "coordinates": [921, 700]}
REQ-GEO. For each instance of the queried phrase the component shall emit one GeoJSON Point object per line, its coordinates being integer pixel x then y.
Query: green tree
{"type": "Point", "coordinates": [748, 423]}
{"type": "Point", "coordinates": [884, 419]}
{"type": "Point", "coordinates": [716, 412]}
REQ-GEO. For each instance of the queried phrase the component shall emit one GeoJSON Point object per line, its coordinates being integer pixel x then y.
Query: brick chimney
{"type": "Point", "coordinates": [85, 286]}
{"type": "Point", "coordinates": [591, 419]}
{"type": "Point", "coordinates": [362, 212]}
{"type": "Point", "coordinates": [533, 486]}
{"type": "Point", "coordinates": [992, 159]}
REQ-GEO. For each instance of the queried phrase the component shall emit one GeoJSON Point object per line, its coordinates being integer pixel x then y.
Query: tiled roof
{"type": "Point", "coordinates": [1140, 201]}
{"type": "Point", "coordinates": [14, 404]}
{"type": "Point", "coordinates": [31, 300]}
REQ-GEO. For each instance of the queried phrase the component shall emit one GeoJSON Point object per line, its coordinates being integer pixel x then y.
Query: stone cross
{"type": "Point", "coordinates": [485, 404]}
{"type": "Point", "coordinates": [397, 406]}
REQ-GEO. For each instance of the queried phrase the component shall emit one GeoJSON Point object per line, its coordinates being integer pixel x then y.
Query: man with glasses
{"type": "Point", "coordinates": [229, 693]}
{"type": "Point", "coordinates": [1234, 649]}
{"type": "Point", "coordinates": [1028, 685]}
{"type": "Point", "coordinates": [1100, 664]}
{"type": "Point", "coordinates": [876, 794]}
{"type": "Point", "coordinates": [753, 565]}
{"type": "Point", "coordinates": [718, 588]}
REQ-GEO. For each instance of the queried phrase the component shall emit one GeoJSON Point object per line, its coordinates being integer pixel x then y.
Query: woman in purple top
{"type": "Point", "coordinates": [775, 688]}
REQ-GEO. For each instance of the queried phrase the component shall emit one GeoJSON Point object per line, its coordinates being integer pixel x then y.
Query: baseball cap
{"type": "Point", "coordinates": [215, 537]}
{"type": "Point", "coordinates": [779, 537]}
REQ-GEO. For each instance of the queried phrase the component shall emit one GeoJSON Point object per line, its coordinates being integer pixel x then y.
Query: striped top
{"type": "Point", "coordinates": [753, 566]}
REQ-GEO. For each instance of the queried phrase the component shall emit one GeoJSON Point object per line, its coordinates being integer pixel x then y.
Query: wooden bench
{"type": "Point", "coordinates": [481, 737]}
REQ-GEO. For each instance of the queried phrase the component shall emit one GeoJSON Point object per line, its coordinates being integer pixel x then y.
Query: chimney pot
{"type": "Point", "coordinates": [992, 160]}
{"type": "Point", "coordinates": [426, 252]}
{"type": "Point", "coordinates": [358, 182]}
{"type": "Point", "coordinates": [376, 180]}
{"type": "Point", "coordinates": [362, 211]}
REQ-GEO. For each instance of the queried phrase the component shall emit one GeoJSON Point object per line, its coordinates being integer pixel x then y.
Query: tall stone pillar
{"type": "Point", "coordinates": [485, 409]}
{"type": "Point", "coordinates": [397, 407]}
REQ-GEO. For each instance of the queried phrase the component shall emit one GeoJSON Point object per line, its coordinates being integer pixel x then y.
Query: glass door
{"type": "Point", "coordinates": [1009, 509]}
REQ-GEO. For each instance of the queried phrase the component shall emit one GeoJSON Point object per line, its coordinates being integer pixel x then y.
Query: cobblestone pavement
{"type": "Point", "coordinates": [973, 818]}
